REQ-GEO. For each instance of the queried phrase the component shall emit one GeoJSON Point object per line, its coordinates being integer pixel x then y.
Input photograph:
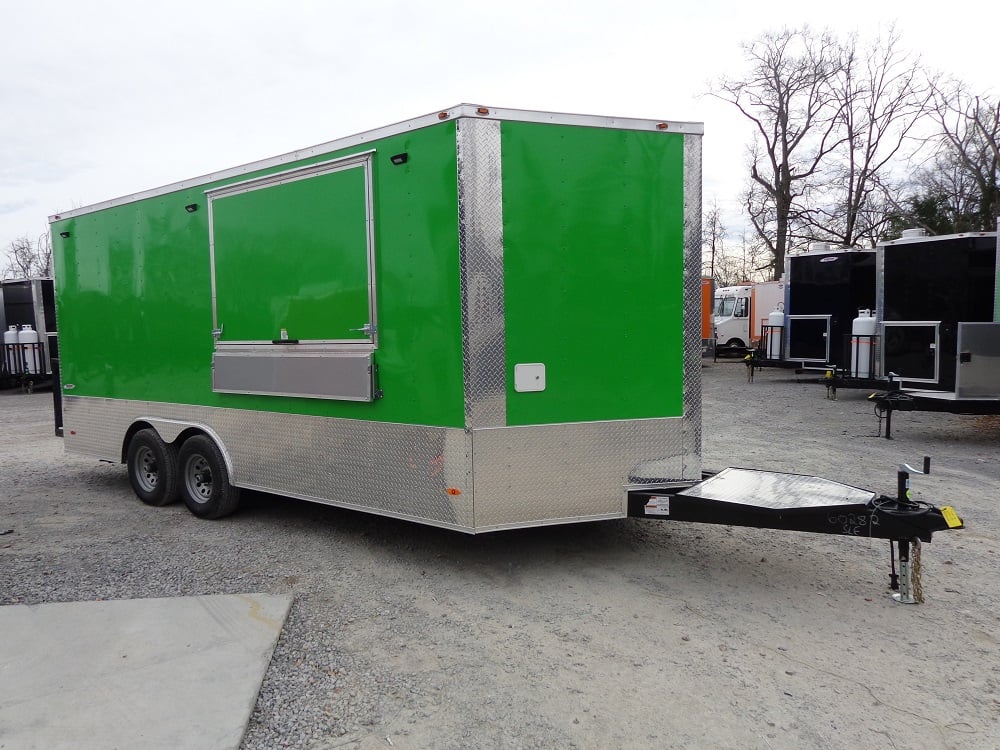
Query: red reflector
{"type": "Point", "coordinates": [662, 126]}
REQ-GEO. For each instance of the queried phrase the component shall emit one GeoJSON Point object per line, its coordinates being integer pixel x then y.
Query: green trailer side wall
{"type": "Point", "coordinates": [134, 294]}
{"type": "Point", "coordinates": [591, 217]}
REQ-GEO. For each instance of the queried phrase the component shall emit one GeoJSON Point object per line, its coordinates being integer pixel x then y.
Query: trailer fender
{"type": "Point", "coordinates": [172, 429]}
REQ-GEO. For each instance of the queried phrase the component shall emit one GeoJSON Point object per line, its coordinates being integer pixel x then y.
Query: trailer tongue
{"type": "Point", "coordinates": [795, 502]}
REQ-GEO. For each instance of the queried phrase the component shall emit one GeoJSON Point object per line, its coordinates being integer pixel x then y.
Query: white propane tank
{"type": "Point", "coordinates": [862, 343]}
{"type": "Point", "coordinates": [10, 350]}
{"type": "Point", "coordinates": [27, 337]}
{"type": "Point", "coordinates": [776, 327]}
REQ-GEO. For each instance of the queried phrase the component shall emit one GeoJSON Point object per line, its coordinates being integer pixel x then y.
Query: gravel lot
{"type": "Point", "coordinates": [623, 634]}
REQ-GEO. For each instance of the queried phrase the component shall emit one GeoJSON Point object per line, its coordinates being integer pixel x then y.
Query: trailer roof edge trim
{"type": "Point", "coordinates": [460, 110]}
{"type": "Point", "coordinates": [933, 238]}
{"type": "Point", "coordinates": [831, 251]}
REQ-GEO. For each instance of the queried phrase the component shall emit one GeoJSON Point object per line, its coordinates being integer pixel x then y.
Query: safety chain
{"type": "Point", "coordinates": [918, 588]}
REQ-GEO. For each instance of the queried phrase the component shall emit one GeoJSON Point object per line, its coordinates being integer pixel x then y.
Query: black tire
{"type": "Point", "coordinates": [204, 480]}
{"type": "Point", "coordinates": [152, 468]}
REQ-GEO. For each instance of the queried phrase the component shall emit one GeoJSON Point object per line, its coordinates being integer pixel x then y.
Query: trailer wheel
{"type": "Point", "coordinates": [204, 481]}
{"type": "Point", "coordinates": [152, 468]}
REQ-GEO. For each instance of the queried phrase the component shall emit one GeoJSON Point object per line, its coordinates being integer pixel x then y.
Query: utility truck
{"type": "Point", "coordinates": [741, 311]}
{"type": "Point", "coordinates": [478, 319]}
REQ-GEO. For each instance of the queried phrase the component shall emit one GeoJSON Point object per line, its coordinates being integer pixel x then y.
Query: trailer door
{"type": "Point", "coordinates": [293, 282]}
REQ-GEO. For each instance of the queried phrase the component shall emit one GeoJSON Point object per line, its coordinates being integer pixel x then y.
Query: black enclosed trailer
{"type": "Point", "coordinates": [27, 306]}
{"type": "Point", "coordinates": [936, 340]}
{"type": "Point", "coordinates": [927, 288]}
{"type": "Point", "coordinates": [825, 290]}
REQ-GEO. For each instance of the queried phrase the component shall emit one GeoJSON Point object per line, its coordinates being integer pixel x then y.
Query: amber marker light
{"type": "Point", "coordinates": [453, 491]}
{"type": "Point", "coordinates": [482, 111]}
{"type": "Point", "coordinates": [442, 115]}
{"type": "Point", "coordinates": [662, 126]}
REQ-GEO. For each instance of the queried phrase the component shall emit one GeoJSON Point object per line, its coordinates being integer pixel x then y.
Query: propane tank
{"type": "Point", "coordinates": [10, 350]}
{"type": "Point", "coordinates": [776, 326]}
{"type": "Point", "coordinates": [862, 344]}
{"type": "Point", "coordinates": [27, 339]}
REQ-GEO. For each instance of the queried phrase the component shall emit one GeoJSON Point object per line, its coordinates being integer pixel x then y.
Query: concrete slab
{"type": "Point", "coordinates": [137, 673]}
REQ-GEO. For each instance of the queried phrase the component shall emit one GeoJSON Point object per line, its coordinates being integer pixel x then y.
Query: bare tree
{"type": "Point", "coordinates": [943, 197]}
{"type": "Point", "coordinates": [27, 259]}
{"type": "Point", "coordinates": [881, 98]}
{"type": "Point", "coordinates": [747, 261]}
{"type": "Point", "coordinates": [787, 96]}
{"type": "Point", "coordinates": [713, 233]}
{"type": "Point", "coordinates": [970, 132]}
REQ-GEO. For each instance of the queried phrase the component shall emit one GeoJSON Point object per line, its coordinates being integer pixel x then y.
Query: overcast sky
{"type": "Point", "coordinates": [102, 98]}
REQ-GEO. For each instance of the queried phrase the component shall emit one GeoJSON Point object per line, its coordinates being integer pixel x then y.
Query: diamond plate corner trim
{"type": "Point", "coordinates": [692, 306]}
{"type": "Point", "coordinates": [879, 287]}
{"type": "Point", "coordinates": [480, 209]}
{"type": "Point", "coordinates": [879, 349]}
{"type": "Point", "coordinates": [396, 470]}
{"type": "Point", "coordinates": [561, 473]}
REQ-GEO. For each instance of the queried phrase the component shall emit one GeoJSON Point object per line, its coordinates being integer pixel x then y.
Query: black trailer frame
{"type": "Point", "coordinates": [797, 502]}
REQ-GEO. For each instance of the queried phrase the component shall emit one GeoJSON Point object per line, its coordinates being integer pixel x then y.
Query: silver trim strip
{"type": "Point", "coordinates": [317, 346]}
{"type": "Point", "coordinates": [593, 121]}
{"type": "Point", "coordinates": [292, 175]}
{"type": "Point", "coordinates": [170, 429]}
{"type": "Point", "coordinates": [932, 238]}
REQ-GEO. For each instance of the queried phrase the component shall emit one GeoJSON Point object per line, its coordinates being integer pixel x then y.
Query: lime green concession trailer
{"type": "Point", "coordinates": [478, 319]}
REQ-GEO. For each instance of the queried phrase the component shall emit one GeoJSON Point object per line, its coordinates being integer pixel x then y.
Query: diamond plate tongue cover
{"type": "Point", "coordinates": [769, 489]}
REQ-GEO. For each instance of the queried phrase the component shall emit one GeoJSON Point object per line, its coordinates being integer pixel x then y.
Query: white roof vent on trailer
{"type": "Point", "coordinates": [915, 232]}
{"type": "Point", "coordinates": [820, 247]}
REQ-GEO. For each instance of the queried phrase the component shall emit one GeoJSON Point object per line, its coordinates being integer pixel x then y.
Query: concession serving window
{"type": "Point", "coordinates": [293, 282]}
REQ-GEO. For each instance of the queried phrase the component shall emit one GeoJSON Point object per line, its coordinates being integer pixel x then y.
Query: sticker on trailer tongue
{"type": "Point", "coordinates": [658, 506]}
{"type": "Point", "coordinates": [951, 517]}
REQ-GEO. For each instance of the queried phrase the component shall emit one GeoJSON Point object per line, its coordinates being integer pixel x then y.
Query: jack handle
{"type": "Point", "coordinates": [903, 480]}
